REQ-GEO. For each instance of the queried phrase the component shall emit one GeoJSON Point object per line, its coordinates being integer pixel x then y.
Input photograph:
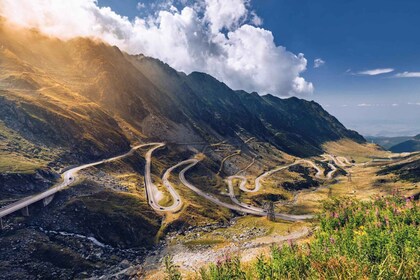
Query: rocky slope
{"type": "Point", "coordinates": [293, 125]}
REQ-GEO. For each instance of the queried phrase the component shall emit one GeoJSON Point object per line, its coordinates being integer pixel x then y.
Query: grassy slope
{"type": "Point", "coordinates": [355, 151]}
{"type": "Point", "coordinates": [18, 155]}
{"type": "Point", "coordinates": [356, 240]}
{"type": "Point", "coordinates": [405, 170]}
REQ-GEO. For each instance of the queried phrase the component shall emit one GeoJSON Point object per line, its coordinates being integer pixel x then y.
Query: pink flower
{"type": "Point", "coordinates": [387, 221]}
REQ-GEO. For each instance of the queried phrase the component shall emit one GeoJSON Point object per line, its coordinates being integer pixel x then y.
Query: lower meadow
{"type": "Point", "coordinates": [376, 239]}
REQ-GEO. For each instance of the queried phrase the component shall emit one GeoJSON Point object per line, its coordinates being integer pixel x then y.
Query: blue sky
{"type": "Point", "coordinates": [351, 37]}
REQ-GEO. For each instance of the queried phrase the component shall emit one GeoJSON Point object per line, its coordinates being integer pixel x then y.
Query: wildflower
{"type": "Point", "coordinates": [332, 240]}
{"type": "Point", "coordinates": [408, 203]}
{"type": "Point", "coordinates": [387, 221]}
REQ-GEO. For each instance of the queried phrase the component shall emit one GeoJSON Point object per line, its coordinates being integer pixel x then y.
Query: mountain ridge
{"type": "Point", "coordinates": [89, 96]}
{"type": "Point", "coordinates": [410, 145]}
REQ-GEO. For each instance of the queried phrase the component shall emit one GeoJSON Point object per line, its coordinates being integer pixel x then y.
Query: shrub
{"type": "Point", "coordinates": [171, 270]}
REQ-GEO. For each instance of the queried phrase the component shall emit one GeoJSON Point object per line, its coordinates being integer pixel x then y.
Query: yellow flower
{"type": "Point", "coordinates": [359, 232]}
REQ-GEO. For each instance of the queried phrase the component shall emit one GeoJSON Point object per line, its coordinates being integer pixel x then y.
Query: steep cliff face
{"type": "Point", "coordinates": [293, 125]}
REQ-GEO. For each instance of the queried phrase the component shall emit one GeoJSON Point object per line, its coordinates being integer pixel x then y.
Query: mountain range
{"type": "Point", "coordinates": [73, 116]}
{"type": "Point", "coordinates": [82, 99]}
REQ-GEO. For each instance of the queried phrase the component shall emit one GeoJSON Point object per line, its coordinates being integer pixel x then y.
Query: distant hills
{"type": "Point", "coordinates": [411, 145]}
{"type": "Point", "coordinates": [387, 142]}
{"type": "Point", "coordinates": [397, 144]}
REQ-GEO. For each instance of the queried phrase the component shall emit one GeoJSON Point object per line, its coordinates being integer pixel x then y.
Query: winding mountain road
{"type": "Point", "coordinates": [344, 161]}
{"type": "Point", "coordinates": [243, 209]}
{"type": "Point", "coordinates": [277, 169]}
{"type": "Point", "coordinates": [333, 170]}
{"type": "Point", "coordinates": [176, 198]}
{"type": "Point", "coordinates": [237, 152]}
{"type": "Point", "coordinates": [151, 189]}
{"type": "Point", "coordinates": [257, 187]}
{"type": "Point", "coordinates": [336, 160]}
{"type": "Point", "coordinates": [68, 177]}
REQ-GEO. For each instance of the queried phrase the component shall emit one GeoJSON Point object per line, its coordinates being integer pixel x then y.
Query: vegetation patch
{"type": "Point", "coordinates": [378, 239]}
{"type": "Point", "coordinates": [409, 171]}
{"type": "Point", "coordinates": [61, 257]}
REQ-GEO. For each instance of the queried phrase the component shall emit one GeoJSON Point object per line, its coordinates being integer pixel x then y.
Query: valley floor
{"type": "Point", "coordinates": [238, 215]}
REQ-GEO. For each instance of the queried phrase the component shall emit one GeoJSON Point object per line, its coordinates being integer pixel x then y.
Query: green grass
{"type": "Point", "coordinates": [15, 164]}
{"type": "Point", "coordinates": [378, 239]}
{"type": "Point", "coordinates": [18, 155]}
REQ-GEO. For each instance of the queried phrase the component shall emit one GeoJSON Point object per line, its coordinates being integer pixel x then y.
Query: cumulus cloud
{"type": "Point", "coordinates": [318, 62]}
{"type": "Point", "coordinates": [225, 14]}
{"type": "Point", "coordinates": [375, 72]}
{"type": "Point", "coordinates": [218, 37]}
{"type": "Point", "coordinates": [408, 75]}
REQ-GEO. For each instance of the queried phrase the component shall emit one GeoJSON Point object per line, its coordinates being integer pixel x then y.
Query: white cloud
{"type": "Point", "coordinates": [318, 62]}
{"type": "Point", "coordinates": [218, 37]}
{"type": "Point", "coordinates": [255, 19]}
{"type": "Point", "coordinates": [412, 103]}
{"type": "Point", "coordinates": [408, 75]}
{"type": "Point", "coordinates": [394, 105]}
{"type": "Point", "coordinates": [364, 105]}
{"type": "Point", "coordinates": [375, 72]}
{"type": "Point", "coordinates": [140, 6]}
{"type": "Point", "coordinates": [225, 14]}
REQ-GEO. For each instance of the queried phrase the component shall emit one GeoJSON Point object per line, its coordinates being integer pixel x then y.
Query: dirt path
{"type": "Point", "coordinates": [190, 260]}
